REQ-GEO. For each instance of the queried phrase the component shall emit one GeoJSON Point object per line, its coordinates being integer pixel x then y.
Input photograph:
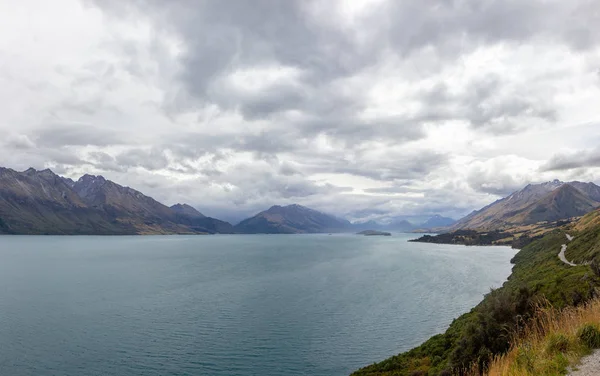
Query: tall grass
{"type": "Point", "coordinates": [551, 342]}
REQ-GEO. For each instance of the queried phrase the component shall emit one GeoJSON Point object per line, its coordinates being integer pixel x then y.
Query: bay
{"type": "Point", "coordinates": [229, 305]}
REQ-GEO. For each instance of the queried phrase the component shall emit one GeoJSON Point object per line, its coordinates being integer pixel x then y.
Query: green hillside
{"type": "Point", "coordinates": [538, 275]}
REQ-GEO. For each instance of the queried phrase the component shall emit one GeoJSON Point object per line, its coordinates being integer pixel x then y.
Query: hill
{"type": "Point", "coordinates": [291, 219]}
{"type": "Point", "coordinates": [397, 225]}
{"type": "Point", "coordinates": [438, 221]}
{"type": "Point", "coordinates": [538, 275]}
{"type": "Point", "coordinates": [41, 202]}
{"type": "Point", "coordinates": [550, 201]}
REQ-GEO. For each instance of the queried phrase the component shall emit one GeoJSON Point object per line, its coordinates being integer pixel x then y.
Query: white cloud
{"type": "Point", "coordinates": [367, 109]}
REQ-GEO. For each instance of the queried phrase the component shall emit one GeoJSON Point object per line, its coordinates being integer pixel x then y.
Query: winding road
{"type": "Point", "coordinates": [563, 248]}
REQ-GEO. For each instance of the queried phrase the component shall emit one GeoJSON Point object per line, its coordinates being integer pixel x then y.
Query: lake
{"type": "Point", "coordinates": [314, 305]}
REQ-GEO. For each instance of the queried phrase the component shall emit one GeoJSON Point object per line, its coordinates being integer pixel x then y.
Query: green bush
{"type": "Point", "coordinates": [589, 334]}
{"type": "Point", "coordinates": [557, 343]}
{"type": "Point", "coordinates": [490, 333]}
{"type": "Point", "coordinates": [526, 358]}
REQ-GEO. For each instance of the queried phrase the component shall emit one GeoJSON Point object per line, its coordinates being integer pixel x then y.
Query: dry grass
{"type": "Point", "coordinates": [552, 342]}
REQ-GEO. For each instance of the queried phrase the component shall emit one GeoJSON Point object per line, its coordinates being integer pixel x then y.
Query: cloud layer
{"type": "Point", "coordinates": [367, 109]}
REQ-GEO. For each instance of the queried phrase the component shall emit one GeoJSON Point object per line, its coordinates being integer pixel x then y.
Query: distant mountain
{"type": "Point", "coordinates": [548, 201]}
{"type": "Point", "coordinates": [291, 219]}
{"type": "Point", "coordinates": [369, 225]}
{"type": "Point", "coordinates": [438, 221]}
{"type": "Point", "coordinates": [185, 209]}
{"type": "Point", "coordinates": [189, 216]}
{"type": "Point", "coordinates": [41, 202]}
{"type": "Point", "coordinates": [399, 225]}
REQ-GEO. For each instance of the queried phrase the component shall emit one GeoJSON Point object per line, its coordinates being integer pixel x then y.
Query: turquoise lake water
{"type": "Point", "coordinates": [229, 305]}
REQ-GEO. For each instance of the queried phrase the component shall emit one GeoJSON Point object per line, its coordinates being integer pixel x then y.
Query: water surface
{"type": "Point", "coordinates": [229, 305]}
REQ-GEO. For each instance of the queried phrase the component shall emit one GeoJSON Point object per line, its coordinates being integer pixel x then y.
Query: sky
{"type": "Point", "coordinates": [365, 109]}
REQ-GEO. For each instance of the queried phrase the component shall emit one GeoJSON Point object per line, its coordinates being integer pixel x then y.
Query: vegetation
{"type": "Point", "coordinates": [469, 237]}
{"type": "Point", "coordinates": [538, 277]}
{"type": "Point", "coordinates": [551, 342]}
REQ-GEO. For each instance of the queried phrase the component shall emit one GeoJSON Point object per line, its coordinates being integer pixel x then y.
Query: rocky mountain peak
{"type": "Point", "coordinates": [91, 179]}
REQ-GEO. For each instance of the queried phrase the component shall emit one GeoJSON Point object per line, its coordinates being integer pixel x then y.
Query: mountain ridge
{"type": "Point", "coordinates": [544, 202]}
{"type": "Point", "coordinates": [42, 202]}
{"type": "Point", "coordinates": [292, 219]}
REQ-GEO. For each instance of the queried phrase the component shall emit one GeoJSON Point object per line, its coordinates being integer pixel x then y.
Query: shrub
{"type": "Point", "coordinates": [589, 334]}
{"type": "Point", "coordinates": [490, 332]}
{"type": "Point", "coordinates": [557, 343]}
{"type": "Point", "coordinates": [526, 358]}
{"type": "Point", "coordinates": [595, 265]}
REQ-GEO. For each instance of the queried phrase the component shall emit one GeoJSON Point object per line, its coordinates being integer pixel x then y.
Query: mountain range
{"type": "Point", "coordinates": [41, 202]}
{"type": "Point", "coordinates": [546, 202]}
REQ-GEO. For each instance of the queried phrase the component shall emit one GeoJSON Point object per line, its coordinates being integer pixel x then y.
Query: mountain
{"type": "Point", "coordinates": [291, 219]}
{"type": "Point", "coordinates": [144, 213]}
{"type": "Point", "coordinates": [185, 209]}
{"type": "Point", "coordinates": [563, 202]}
{"type": "Point", "coordinates": [189, 216]}
{"type": "Point", "coordinates": [548, 201]}
{"type": "Point", "coordinates": [41, 202]}
{"type": "Point", "coordinates": [369, 225]}
{"type": "Point", "coordinates": [399, 225]}
{"type": "Point", "coordinates": [438, 221]}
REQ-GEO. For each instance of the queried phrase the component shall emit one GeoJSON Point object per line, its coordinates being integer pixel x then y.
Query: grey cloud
{"type": "Point", "coordinates": [493, 182]}
{"type": "Point", "coordinates": [104, 161]}
{"type": "Point", "coordinates": [75, 134]}
{"type": "Point", "coordinates": [484, 104]}
{"type": "Point", "coordinates": [584, 158]}
{"type": "Point", "coordinates": [153, 159]}
{"type": "Point", "coordinates": [223, 38]}
{"type": "Point", "coordinates": [391, 166]}
{"type": "Point", "coordinates": [456, 26]}
{"type": "Point", "coordinates": [19, 141]}
{"type": "Point", "coordinates": [396, 189]}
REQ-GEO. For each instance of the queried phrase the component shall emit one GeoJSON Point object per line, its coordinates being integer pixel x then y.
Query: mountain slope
{"type": "Point", "coordinates": [41, 202]}
{"type": "Point", "coordinates": [185, 209]}
{"type": "Point", "coordinates": [126, 205]}
{"type": "Point", "coordinates": [438, 221]}
{"type": "Point", "coordinates": [536, 202]}
{"type": "Point", "coordinates": [189, 216]}
{"type": "Point", "coordinates": [397, 224]}
{"type": "Point", "coordinates": [292, 219]}
{"type": "Point", "coordinates": [537, 275]}
{"type": "Point", "coordinates": [564, 202]}
{"type": "Point", "coordinates": [144, 213]}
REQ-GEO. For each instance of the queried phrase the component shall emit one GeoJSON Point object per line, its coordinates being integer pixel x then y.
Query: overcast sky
{"type": "Point", "coordinates": [366, 109]}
